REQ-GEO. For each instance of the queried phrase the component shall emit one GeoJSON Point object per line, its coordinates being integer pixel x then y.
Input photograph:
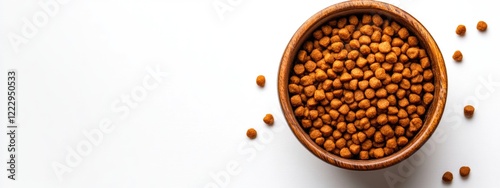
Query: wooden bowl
{"type": "Point", "coordinates": [433, 114]}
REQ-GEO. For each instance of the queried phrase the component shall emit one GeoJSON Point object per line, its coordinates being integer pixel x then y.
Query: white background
{"type": "Point", "coordinates": [76, 69]}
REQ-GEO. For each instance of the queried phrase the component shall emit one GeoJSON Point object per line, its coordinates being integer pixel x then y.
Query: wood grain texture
{"type": "Point", "coordinates": [434, 112]}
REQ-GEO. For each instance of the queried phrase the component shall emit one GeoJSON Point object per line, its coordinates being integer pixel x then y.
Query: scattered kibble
{"type": "Point", "coordinates": [481, 26]}
{"type": "Point", "coordinates": [361, 85]}
{"type": "Point", "coordinates": [464, 171]}
{"type": "Point", "coordinates": [261, 80]}
{"type": "Point", "coordinates": [469, 111]}
{"type": "Point", "coordinates": [460, 30]}
{"type": "Point", "coordinates": [457, 56]}
{"type": "Point", "coordinates": [251, 133]}
{"type": "Point", "coordinates": [269, 119]}
{"type": "Point", "coordinates": [447, 177]}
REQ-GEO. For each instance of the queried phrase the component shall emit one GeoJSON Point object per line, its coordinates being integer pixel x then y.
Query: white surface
{"type": "Point", "coordinates": [191, 124]}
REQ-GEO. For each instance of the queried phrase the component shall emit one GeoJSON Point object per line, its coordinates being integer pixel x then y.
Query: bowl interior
{"type": "Point", "coordinates": [434, 112]}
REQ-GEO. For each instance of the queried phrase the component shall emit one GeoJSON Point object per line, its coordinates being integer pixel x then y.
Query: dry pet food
{"type": "Point", "coordinates": [468, 111]}
{"type": "Point", "coordinates": [457, 56]}
{"type": "Point", "coordinates": [269, 119]}
{"type": "Point", "coordinates": [481, 26]}
{"type": "Point", "coordinates": [251, 133]}
{"type": "Point", "coordinates": [360, 86]}
{"type": "Point", "coordinates": [261, 80]}
{"type": "Point", "coordinates": [460, 30]}
{"type": "Point", "coordinates": [464, 171]}
{"type": "Point", "coordinates": [447, 176]}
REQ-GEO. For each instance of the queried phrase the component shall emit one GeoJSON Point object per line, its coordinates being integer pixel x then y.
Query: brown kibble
{"type": "Point", "coordinates": [363, 155]}
{"type": "Point", "coordinates": [294, 88]}
{"type": "Point", "coordinates": [306, 80]}
{"type": "Point", "coordinates": [412, 41]}
{"type": "Point", "coordinates": [378, 153]}
{"type": "Point", "coordinates": [377, 20]}
{"type": "Point", "coordinates": [380, 73]}
{"type": "Point", "coordinates": [345, 153]}
{"type": "Point", "coordinates": [310, 66]}
{"type": "Point", "coordinates": [261, 80]}
{"type": "Point", "coordinates": [296, 100]}
{"type": "Point", "coordinates": [464, 171]}
{"type": "Point", "coordinates": [366, 30]}
{"type": "Point", "coordinates": [387, 131]}
{"type": "Point", "coordinates": [412, 52]}
{"type": "Point", "coordinates": [388, 31]}
{"type": "Point", "coordinates": [481, 26]}
{"type": "Point", "coordinates": [403, 33]}
{"type": "Point", "coordinates": [457, 56]}
{"type": "Point", "coordinates": [354, 149]}
{"type": "Point", "coordinates": [402, 141]}
{"type": "Point", "coordinates": [384, 47]}
{"type": "Point", "coordinates": [371, 112]}
{"type": "Point", "coordinates": [324, 42]}
{"type": "Point", "coordinates": [298, 69]}
{"type": "Point", "coordinates": [345, 77]}
{"type": "Point", "coordinates": [428, 75]}
{"type": "Point", "coordinates": [428, 87]}
{"type": "Point", "coordinates": [427, 99]}
{"type": "Point", "coordinates": [374, 48]}
{"type": "Point", "coordinates": [375, 83]}
{"type": "Point", "coordinates": [391, 57]}
{"type": "Point", "coordinates": [381, 93]}
{"type": "Point", "coordinates": [251, 133]}
{"type": "Point", "coordinates": [319, 95]}
{"type": "Point", "coordinates": [366, 19]}
{"type": "Point", "coordinates": [357, 73]}
{"type": "Point", "coordinates": [316, 55]}
{"type": "Point", "coordinates": [468, 111]}
{"type": "Point", "coordinates": [382, 104]}
{"type": "Point", "coordinates": [327, 130]}
{"type": "Point", "coordinates": [460, 30]}
{"type": "Point", "coordinates": [447, 177]}
{"type": "Point", "coordinates": [344, 34]}
{"type": "Point", "coordinates": [329, 145]}
{"type": "Point", "coordinates": [344, 109]}
{"type": "Point", "coordinates": [378, 137]}
{"type": "Point", "coordinates": [315, 134]}
{"type": "Point", "coordinates": [415, 124]}
{"type": "Point", "coordinates": [320, 141]}
{"type": "Point", "coordinates": [364, 40]}
{"type": "Point", "coordinates": [376, 36]}
{"type": "Point", "coordinates": [269, 119]}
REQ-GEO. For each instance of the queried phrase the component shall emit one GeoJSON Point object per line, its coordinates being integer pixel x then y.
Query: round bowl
{"type": "Point", "coordinates": [434, 111]}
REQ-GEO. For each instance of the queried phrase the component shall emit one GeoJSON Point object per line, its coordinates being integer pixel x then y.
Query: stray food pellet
{"type": "Point", "coordinates": [268, 119]}
{"type": "Point", "coordinates": [461, 30]}
{"type": "Point", "coordinates": [481, 26]}
{"type": "Point", "coordinates": [251, 133]}
{"type": "Point", "coordinates": [447, 176]}
{"type": "Point", "coordinates": [457, 56]}
{"type": "Point", "coordinates": [261, 80]}
{"type": "Point", "coordinates": [468, 111]}
{"type": "Point", "coordinates": [464, 171]}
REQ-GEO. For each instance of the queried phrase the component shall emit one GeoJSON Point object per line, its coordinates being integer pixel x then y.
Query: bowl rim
{"type": "Point", "coordinates": [427, 42]}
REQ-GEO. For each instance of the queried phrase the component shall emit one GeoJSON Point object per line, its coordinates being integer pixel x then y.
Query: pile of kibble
{"type": "Point", "coordinates": [361, 85]}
